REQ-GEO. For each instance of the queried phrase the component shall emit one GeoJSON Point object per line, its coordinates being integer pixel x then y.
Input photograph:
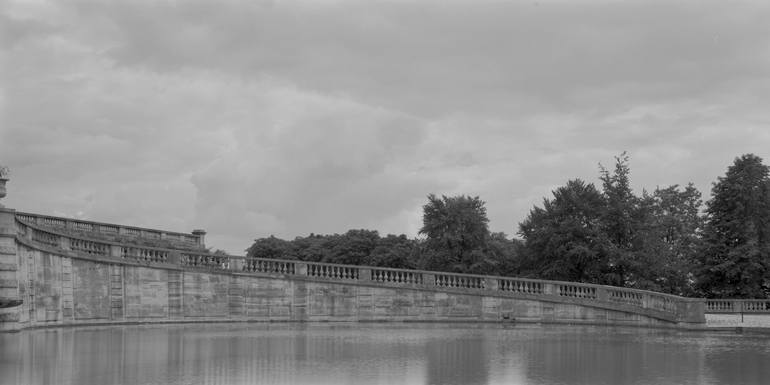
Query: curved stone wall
{"type": "Point", "coordinates": [66, 279]}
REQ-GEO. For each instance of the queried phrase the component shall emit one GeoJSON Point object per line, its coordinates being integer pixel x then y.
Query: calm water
{"type": "Point", "coordinates": [379, 354]}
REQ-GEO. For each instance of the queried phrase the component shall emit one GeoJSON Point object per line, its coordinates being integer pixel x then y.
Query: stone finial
{"type": "Point", "coordinates": [4, 173]}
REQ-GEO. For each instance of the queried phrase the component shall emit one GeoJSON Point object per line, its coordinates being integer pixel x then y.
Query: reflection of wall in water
{"type": "Point", "coordinates": [592, 355]}
{"type": "Point", "coordinates": [459, 360]}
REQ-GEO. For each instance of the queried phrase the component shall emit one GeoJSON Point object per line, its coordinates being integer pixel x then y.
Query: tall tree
{"type": "Point", "coordinates": [675, 228]}
{"type": "Point", "coordinates": [457, 232]}
{"type": "Point", "coordinates": [622, 218]}
{"type": "Point", "coordinates": [735, 257]}
{"type": "Point", "coordinates": [565, 239]}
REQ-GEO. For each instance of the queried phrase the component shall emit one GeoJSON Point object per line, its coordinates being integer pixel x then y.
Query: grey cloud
{"type": "Point", "coordinates": [483, 58]}
{"type": "Point", "coordinates": [285, 118]}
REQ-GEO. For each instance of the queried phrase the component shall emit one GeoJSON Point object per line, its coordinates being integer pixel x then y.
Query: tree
{"type": "Point", "coordinates": [394, 251]}
{"type": "Point", "coordinates": [270, 247]}
{"type": "Point", "coordinates": [735, 256]}
{"type": "Point", "coordinates": [565, 238]}
{"type": "Point", "coordinates": [503, 256]}
{"type": "Point", "coordinates": [353, 247]}
{"type": "Point", "coordinates": [614, 236]}
{"type": "Point", "coordinates": [622, 218]}
{"type": "Point", "coordinates": [675, 229]}
{"type": "Point", "coordinates": [457, 232]}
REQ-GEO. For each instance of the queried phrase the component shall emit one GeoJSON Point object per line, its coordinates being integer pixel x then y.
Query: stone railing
{"type": "Point", "coordinates": [205, 260]}
{"type": "Point", "coordinates": [96, 248]}
{"type": "Point", "coordinates": [106, 230]}
{"type": "Point", "coordinates": [758, 306]}
{"type": "Point", "coordinates": [670, 307]}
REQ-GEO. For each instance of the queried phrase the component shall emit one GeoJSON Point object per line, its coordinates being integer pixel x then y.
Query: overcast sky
{"type": "Point", "coordinates": [249, 118]}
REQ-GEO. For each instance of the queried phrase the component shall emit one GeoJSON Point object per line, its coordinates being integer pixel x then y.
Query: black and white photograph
{"type": "Point", "coordinates": [368, 192]}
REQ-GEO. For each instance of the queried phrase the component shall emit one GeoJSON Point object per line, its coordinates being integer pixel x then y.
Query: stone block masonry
{"type": "Point", "coordinates": [63, 279]}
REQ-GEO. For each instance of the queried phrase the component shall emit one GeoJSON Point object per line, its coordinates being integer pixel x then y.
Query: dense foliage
{"type": "Point", "coordinates": [735, 257]}
{"type": "Point", "coordinates": [607, 235]}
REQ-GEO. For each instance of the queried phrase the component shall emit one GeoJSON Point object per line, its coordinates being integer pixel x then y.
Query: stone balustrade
{"type": "Point", "coordinates": [667, 306]}
{"type": "Point", "coordinates": [379, 274]}
{"type": "Point", "coordinates": [758, 306]}
{"type": "Point", "coordinates": [203, 260]}
{"type": "Point", "coordinates": [106, 230]}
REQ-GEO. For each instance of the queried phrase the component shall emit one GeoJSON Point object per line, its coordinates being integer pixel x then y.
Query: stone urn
{"type": "Point", "coordinates": [2, 188]}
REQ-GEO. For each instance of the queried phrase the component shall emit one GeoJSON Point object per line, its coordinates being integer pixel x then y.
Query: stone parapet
{"type": "Point", "coordinates": [9, 285]}
{"type": "Point", "coordinates": [115, 232]}
{"type": "Point", "coordinates": [71, 277]}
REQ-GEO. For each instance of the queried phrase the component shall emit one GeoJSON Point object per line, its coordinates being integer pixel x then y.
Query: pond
{"type": "Point", "coordinates": [379, 353]}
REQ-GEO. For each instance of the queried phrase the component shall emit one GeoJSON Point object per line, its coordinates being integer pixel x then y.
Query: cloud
{"type": "Point", "coordinates": [290, 117]}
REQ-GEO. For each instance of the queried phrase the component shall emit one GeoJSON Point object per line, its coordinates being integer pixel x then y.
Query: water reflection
{"type": "Point", "coordinates": [379, 354]}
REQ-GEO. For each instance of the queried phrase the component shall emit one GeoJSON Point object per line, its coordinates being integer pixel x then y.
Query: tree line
{"type": "Point", "coordinates": [664, 240]}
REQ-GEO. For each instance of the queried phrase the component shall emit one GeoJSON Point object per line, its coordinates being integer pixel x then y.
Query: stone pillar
{"type": "Point", "coordinates": [9, 284]}
{"type": "Point", "coordinates": [301, 268]}
{"type": "Point", "coordinates": [602, 294]}
{"type": "Point", "coordinates": [201, 234]}
{"type": "Point", "coordinates": [174, 258]}
{"type": "Point", "coordinates": [64, 243]}
{"type": "Point", "coordinates": [549, 289]}
{"type": "Point", "coordinates": [691, 310]}
{"type": "Point", "coordinates": [116, 251]}
{"type": "Point", "coordinates": [236, 264]}
{"type": "Point", "coordinates": [364, 274]}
